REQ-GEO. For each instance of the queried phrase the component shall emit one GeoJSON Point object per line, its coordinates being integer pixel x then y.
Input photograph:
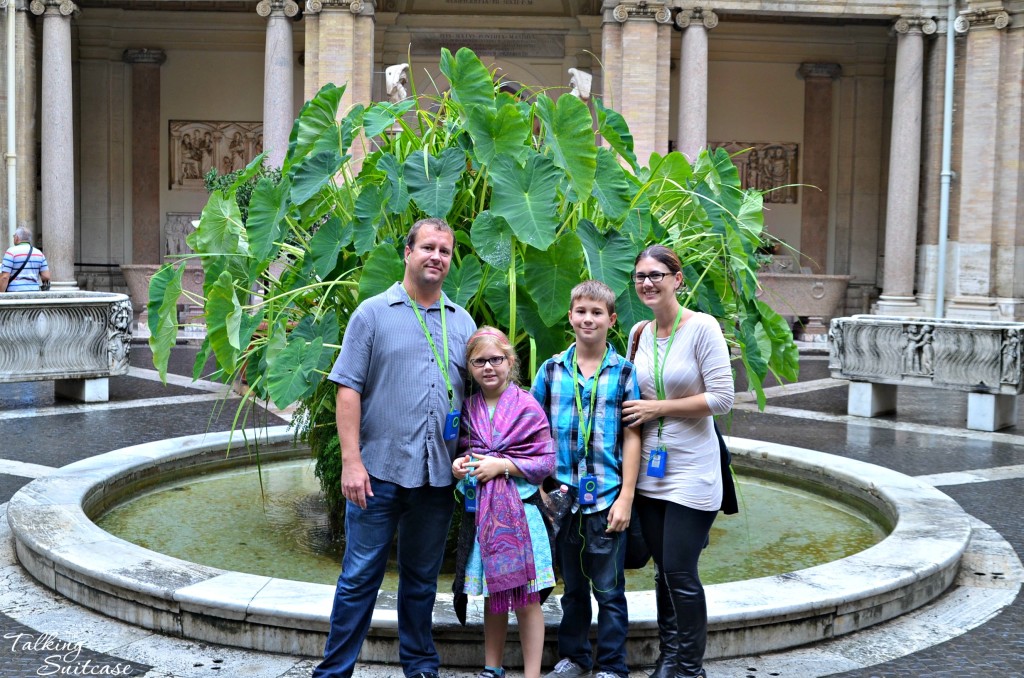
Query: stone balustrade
{"type": "Point", "coordinates": [879, 353]}
{"type": "Point", "coordinates": [76, 339]}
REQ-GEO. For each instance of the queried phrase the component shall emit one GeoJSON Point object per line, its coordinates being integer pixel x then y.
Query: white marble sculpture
{"type": "Point", "coordinates": [580, 82]}
{"type": "Point", "coordinates": [396, 79]}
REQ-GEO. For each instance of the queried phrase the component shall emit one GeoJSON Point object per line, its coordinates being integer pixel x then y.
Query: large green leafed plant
{"type": "Point", "coordinates": [537, 205]}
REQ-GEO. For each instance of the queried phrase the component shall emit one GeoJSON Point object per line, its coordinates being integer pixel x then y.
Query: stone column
{"type": "Point", "coordinates": [278, 71]}
{"type": "Point", "coordinates": [345, 53]}
{"type": "Point", "coordinates": [58, 150]}
{"type": "Point", "coordinates": [989, 172]}
{"type": "Point", "coordinates": [817, 163]}
{"type": "Point", "coordinates": [693, 80]}
{"type": "Point", "coordinates": [25, 108]}
{"type": "Point", "coordinates": [638, 58]}
{"type": "Point", "coordinates": [904, 170]}
{"type": "Point", "coordinates": [145, 132]}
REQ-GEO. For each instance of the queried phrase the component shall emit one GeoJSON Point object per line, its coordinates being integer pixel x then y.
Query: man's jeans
{"type": "Point", "coordinates": [592, 559]}
{"type": "Point", "coordinates": [421, 516]}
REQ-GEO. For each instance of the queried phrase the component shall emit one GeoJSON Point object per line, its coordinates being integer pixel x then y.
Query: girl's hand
{"type": "Point", "coordinates": [459, 468]}
{"type": "Point", "coordinates": [485, 468]}
{"type": "Point", "coordinates": [637, 412]}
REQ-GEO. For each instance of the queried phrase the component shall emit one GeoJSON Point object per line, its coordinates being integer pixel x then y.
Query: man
{"type": "Point", "coordinates": [24, 267]}
{"type": "Point", "coordinates": [400, 377]}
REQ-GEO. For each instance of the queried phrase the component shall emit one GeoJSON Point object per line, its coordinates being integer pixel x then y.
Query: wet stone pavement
{"type": "Point", "coordinates": [43, 634]}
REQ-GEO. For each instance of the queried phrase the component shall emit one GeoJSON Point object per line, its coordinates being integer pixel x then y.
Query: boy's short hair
{"type": "Point", "coordinates": [595, 290]}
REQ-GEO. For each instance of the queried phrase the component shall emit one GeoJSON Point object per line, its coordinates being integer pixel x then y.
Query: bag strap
{"type": "Point", "coordinates": [23, 264]}
{"type": "Point", "coordinates": [635, 343]}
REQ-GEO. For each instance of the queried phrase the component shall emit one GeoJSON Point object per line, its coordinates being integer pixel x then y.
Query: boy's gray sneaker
{"type": "Point", "coordinates": [567, 668]}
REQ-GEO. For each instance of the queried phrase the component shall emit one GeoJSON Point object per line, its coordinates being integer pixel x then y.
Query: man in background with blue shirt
{"type": "Point", "coordinates": [24, 267]}
{"type": "Point", "coordinates": [400, 376]}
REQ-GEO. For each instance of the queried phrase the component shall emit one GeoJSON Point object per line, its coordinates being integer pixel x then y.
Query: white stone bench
{"type": "Point", "coordinates": [75, 339]}
{"type": "Point", "coordinates": [878, 353]}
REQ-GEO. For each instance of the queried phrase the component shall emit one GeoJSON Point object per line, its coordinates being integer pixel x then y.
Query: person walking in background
{"type": "Point", "coordinates": [400, 377]}
{"type": "Point", "coordinates": [582, 391]}
{"type": "Point", "coordinates": [682, 364]}
{"type": "Point", "coordinates": [504, 542]}
{"type": "Point", "coordinates": [24, 267]}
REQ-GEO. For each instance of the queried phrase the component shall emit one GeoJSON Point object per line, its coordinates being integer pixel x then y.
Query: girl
{"type": "Point", "coordinates": [504, 546]}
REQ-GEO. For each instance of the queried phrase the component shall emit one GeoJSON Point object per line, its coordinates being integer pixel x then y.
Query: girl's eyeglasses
{"type": "Point", "coordinates": [494, 360]}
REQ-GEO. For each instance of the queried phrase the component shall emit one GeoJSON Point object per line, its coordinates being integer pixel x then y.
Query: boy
{"type": "Point", "coordinates": [582, 391]}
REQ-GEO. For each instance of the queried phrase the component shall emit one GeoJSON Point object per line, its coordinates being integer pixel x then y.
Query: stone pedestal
{"type": "Point", "coordinates": [58, 149]}
{"type": "Point", "coordinates": [83, 390]}
{"type": "Point", "coordinates": [987, 412]}
{"type": "Point", "coordinates": [870, 400]}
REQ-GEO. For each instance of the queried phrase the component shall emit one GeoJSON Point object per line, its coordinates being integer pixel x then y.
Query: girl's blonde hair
{"type": "Point", "coordinates": [491, 336]}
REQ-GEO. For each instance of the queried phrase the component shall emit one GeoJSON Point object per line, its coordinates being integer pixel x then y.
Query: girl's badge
{"type": "Point", "coordinates": [470, 490]}
{"type": "Point", "coordinates": [451, 425]}
{"type": "Point", "coordinates": [656, 464]}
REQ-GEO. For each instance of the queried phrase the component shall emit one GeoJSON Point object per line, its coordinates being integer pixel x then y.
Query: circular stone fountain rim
{"type": "Point", "coordinates": [62, 548]}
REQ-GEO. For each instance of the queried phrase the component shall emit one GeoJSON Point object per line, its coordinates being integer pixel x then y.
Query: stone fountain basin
{"type": "Point", "coordinates": [57, 542]}
{"type": "Point", "coordinates": [803, 294]}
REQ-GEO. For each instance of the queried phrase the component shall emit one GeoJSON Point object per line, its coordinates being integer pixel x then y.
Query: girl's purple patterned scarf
{"type": "Point", "coordinates": [518, 432]}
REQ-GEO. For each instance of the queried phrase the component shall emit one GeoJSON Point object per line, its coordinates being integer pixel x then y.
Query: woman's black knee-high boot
{"type": "Point", "coordinates": [691, 613]}
{"type": "Point", "coordinates": [667, 645]}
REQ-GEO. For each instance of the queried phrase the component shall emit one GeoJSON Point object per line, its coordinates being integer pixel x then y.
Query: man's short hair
{"type": "Point", "coordinates": [23, 234]}
{"type": "Point", "coordinates": [433, 222]}
{"type": "Point", "coordinates": [594, 290]}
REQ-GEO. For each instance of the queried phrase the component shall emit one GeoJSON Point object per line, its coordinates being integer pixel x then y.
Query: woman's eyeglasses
{"type": "Point", "coordinates": [494, 361]}
{"type": "Point", "coordinates": [655, 277]}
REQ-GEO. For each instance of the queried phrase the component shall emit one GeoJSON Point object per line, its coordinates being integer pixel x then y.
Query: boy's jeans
{"type": "Point", "coordinates": [421, 517]}
{"type": "Point", "coordinates": [592, 560]}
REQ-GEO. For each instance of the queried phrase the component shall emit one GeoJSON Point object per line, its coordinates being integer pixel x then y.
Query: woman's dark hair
{"type": "Point", "coordinates": [662, 254]}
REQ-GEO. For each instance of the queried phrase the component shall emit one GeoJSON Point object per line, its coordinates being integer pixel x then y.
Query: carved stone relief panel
{"type": "Point", "coordinates": [176, 229]}
{"type": "Point", "coordinates": [195, 147]}
{"type": "Point", "coordinates": [766, 166]}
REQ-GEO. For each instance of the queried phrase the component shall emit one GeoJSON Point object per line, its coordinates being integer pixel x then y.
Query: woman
{"type": "Point", "coordinates": [504, 545]}
{"type": "Point", "coordinates": [682, 365]}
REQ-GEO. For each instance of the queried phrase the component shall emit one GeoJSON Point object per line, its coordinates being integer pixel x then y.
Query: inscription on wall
{"type": "Point", "coordinates": [195, 147]}
{"type": "Point", "coordinates": [504, 44]}
{"type": "Point", "coordinates": [770, 167]}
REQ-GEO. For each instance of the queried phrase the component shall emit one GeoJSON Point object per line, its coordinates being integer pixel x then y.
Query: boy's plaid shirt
{"type": "Point", "coordinates": [553, 387]}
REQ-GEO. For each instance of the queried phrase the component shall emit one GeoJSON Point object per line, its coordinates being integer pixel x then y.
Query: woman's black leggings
{"type": "Point", "coordinates": [676, 534]}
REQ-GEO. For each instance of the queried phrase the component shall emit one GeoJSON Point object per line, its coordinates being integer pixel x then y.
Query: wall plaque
{"type": "Point", "coordinates": [195, 147]}
{"type": "Point", "coordinates": [766, 166]}
{"type": "Point", "coordinates": [492, 44]}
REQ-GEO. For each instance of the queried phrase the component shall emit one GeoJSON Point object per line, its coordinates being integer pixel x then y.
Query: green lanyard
{"type": "Point", "coordinates": [659, 376]}
{"type": "Point", "coordinates": [586, 424]}
{"type": "Point", "coordinates": [441, 364]}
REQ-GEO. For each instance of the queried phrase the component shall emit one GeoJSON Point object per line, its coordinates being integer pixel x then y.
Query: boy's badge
{"type": "Point", "coordinates": [451, 425]}
{"type": "Point", "coordinates": [588, 490]}
{"type": "Point", "coordinates": [656, 464]}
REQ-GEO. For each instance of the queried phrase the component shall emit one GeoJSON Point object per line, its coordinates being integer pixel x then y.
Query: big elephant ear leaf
{"type": "Point", "coordinates": [316, 126]}
{"type": "Point", "coordinates": [383, 268]}
{"type": "Point", "coordinates": [266, 222]}
{"type": "Point", "coordinates": [491, 238]}
{"type": "Point", "coordinates": [611, 187]}
{"type": "Point", "coordinates": [164, 290]}
{"type": "Point", "coordinates": [609, 255]}
{"type": "Point", "coordinates": [551, 275]}
{"type": "Point", "coordinates": [327, 243]}
{"type": "Point", "coordinates": [471, 82]}
{"type": "Point", "coordinates": [549, 340]}
{"type": "Point", "coordinates": [500, 132]}
{"type": "Point", "coordinates": [613, 128]}
{"type": "Point", "coordinates": [389, 165]}
{"type": "Point", "coordinates": [369, 215]}
{"type": "Point", "coordinates": [223, 321]}
{"type": "Point", "coordinates": [290, 372]}
{"type": "Point", "coordinates": [630, 310]}
{"type": "Point", "coordinates": [526, 197]}
{"type": "Point", "coordinates": [312, 174]}
{"type": "Point", "coordinates": [220, 227]}
{"type": "Point", "coordinates": [382, 115]}
{"type": "Point", "coordinates": [463, 281]}
{"type": "Point", "coordinates": [432, 180]}
{"type": "Point", "coordinates": [569, 135]}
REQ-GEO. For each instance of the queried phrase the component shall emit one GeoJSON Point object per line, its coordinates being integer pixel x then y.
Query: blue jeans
{"type": "Point", "coordinates": [592, 560]}
{"type": "Point", "coordinates": [421, 517]}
